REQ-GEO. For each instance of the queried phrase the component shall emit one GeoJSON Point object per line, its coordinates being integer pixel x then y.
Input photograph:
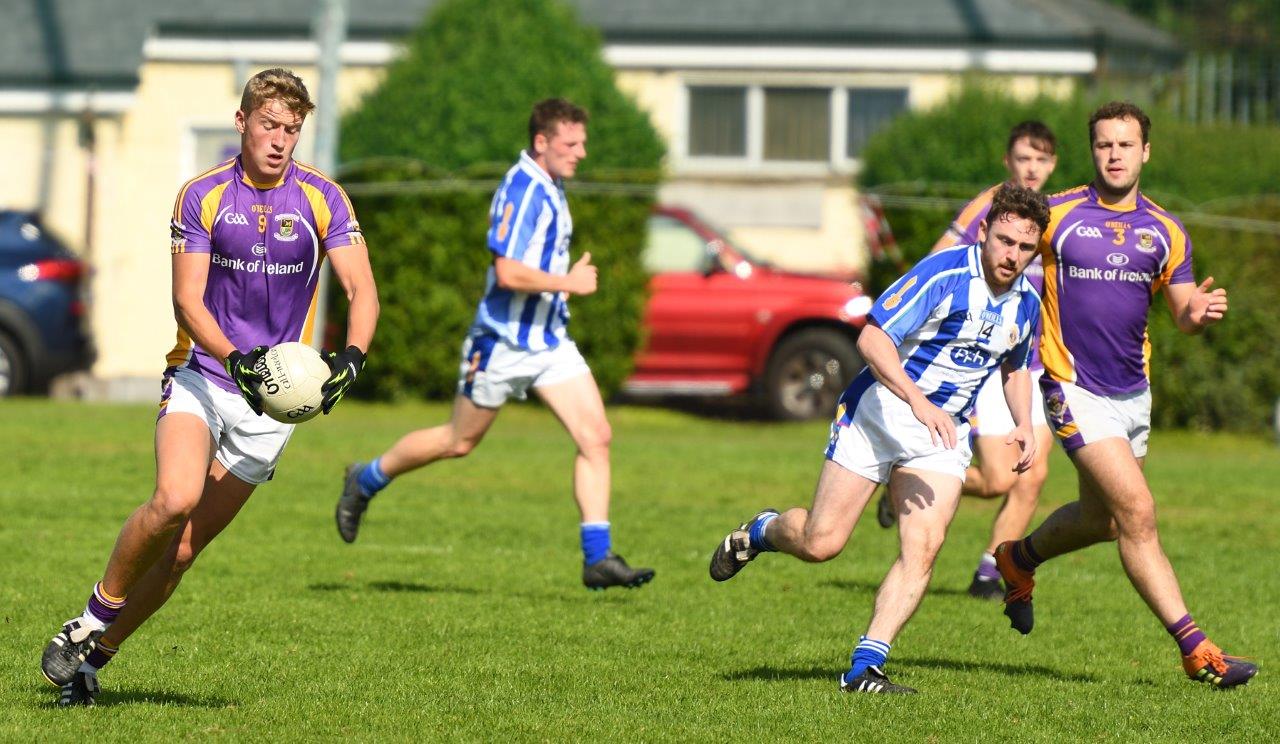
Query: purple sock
{"type": "Point", "coordinates": [1024, 556]}
{"type": "Point", "coordinates": [1187, 634]}
{"type": "Point", "coordinates": [100, 655]}
{"type": "Point", "coordinates": [987, 569]}
{"type": "Point", "coordinates": [104, 606]}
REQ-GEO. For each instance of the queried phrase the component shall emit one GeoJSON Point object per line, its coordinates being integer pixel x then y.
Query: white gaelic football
{"type": "Point", "coordinates": [292, 374]}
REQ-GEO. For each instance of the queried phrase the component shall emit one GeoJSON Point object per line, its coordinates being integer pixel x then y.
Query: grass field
{"type": "Point", "coordinates": [459, 615]}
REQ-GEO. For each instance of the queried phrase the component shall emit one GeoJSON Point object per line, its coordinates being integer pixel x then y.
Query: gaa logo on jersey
{"type": "Point", "coordinates": [1146, 240]}
{"type": "Point", "coordinates": [970, 358]}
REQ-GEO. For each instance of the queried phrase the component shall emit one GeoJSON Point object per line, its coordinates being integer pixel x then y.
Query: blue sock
{"type": "Point", "coordinates": [372, 479]}
{"type": "Point", "coordinates": [867, 653]}
{"type": "Point", "coordinates": [756, 530]}
{"type": "Point", "coordinates": [595, 542]}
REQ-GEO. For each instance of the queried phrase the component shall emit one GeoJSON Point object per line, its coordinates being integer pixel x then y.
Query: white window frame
{"type": "Point", "coordinates": [754, 162]}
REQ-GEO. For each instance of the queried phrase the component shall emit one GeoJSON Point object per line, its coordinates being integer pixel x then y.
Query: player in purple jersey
{"type": "Point", "coordinates": [1030, 158]}
{"type": "Point", "coordinates": [932, 339]}
{"type": "Point", "coordinates": [519, 342]}
{"type": "Point", "coordinates": [248, 239]}
{"type": "Point", "coordinates": [1107, 251]}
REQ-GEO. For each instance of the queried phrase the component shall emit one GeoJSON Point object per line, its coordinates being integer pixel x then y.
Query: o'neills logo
{"type": "Point", "coordinates": [274, 379]}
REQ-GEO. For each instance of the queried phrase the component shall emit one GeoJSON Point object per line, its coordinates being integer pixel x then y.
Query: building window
{"type": "Point", "coordinates": [718, 121]}
{"type": "Point", "coordinates": [870, 109]}
{"type": "Point", "coordinates": [797, 124]}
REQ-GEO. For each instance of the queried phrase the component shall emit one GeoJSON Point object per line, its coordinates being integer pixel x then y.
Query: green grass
{"type": "Point", "coordinates": [459, 614]}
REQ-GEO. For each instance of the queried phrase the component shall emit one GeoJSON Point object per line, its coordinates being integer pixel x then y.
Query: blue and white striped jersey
{"type": "Point", "coordinates": [528, 222]}
{"type": "Point", "coordinates": [951, 332]}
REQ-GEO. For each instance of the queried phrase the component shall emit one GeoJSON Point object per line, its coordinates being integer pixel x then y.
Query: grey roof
{"type": "Point", "coordinates": [73, 43]}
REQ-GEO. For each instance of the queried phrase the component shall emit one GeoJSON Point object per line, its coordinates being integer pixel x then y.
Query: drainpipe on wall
{"type": "Point", "coordinates": [88, 143]}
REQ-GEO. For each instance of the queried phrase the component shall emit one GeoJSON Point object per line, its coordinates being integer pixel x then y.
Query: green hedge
{"type": "Point", "coordinates": [459, 100]}
{"type": "Point", "coordinates": [1226, 378]}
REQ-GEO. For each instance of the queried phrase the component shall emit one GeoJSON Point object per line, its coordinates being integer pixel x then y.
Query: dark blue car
{"type": "Point", "coordinates": [42, 331]}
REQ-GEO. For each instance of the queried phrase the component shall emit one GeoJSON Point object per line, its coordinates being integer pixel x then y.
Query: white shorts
{"type": "Point", "coordinates": [493, 370]}
{"type": "Point", "coordinates": [881, 433]}
{"type": "Point", "coordinates": [1079, 417]}
{"type": "Point", "coordinates": [247, 445]}
{"type": "Point", "coordinates": [991, 417]}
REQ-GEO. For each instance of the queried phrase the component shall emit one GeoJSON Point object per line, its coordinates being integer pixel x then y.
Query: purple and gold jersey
{"type": "Point", "coordinates": [964, 229]}
{"type": "Point", "coordinates": [265, 244]}
{"type": "Point", "coordinates": [965, 226]}
{"type": "Point", "coordinates": [1103, 265]}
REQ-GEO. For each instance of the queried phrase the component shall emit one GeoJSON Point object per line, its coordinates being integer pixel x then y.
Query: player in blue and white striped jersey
{"type": "Point", "coordinates": [933, 338]}
{"type": "Point", "coordinates": [518, 341]}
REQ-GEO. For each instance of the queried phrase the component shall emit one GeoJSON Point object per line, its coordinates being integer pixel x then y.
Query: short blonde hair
{"type": "Point", "coordinates": [276, 84]}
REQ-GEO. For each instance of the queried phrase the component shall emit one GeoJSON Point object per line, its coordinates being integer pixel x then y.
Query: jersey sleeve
{"type": "Point", "coordinates": [343, 228]}
{"type": "Point", "coordinates": [908, 302]}
{"type": "Point", "coordinates": [1178, 268]}
{"type": "Point", "coordinates": [190, 229]}
{"type": "Point", "coordinates": [513, 220]}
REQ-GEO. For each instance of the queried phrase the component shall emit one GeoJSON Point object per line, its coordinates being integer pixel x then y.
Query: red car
{"type": "Point", "coordinates": [720, 322]}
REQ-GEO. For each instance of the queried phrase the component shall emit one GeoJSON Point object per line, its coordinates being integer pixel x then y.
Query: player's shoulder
{"type": "Point", "coordinates": [200, 185]}
{"type": "Point", "coordinates": [957, 259]}
{"type": "Point", "coordinates": [313, 176]}
{"type": "Point", "coordinates": [522, 180]}
{"type": "Point", "coordinates": [1073, 194]}
{"type": "Point", "coordinates": [1159, 212]}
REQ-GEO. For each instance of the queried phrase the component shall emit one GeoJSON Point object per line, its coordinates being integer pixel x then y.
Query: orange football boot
{"type": "Point", "coordinates": [1017, 589]}
{"type": "Point", "coordinates": [1207, 663]}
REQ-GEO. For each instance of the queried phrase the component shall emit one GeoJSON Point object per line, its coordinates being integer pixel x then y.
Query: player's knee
{"type": "Point", "coordinates": [1000, 482]}
{"type": "Point", "coordinates": [461, 447]}
{"type": "Point", "coordinates": [1137, 524]}
{"type": "Point", "coordinates": [596, 438]}
{"type": "Point", "coordinates": [171, 506]}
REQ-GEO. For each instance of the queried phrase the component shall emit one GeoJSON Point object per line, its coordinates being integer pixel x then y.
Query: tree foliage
{"type": "Point", "coordinates": [426, 150]}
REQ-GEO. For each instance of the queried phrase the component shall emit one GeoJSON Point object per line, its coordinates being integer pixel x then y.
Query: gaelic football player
{"type": "Point", "coordinates": [248, 240]}
{"type": "Point", "coordinates": [1030, 157]}
{"type": "Point", "coordinates": [519, 341]}
{"type": "Point", "coordinates": [1107, 251]}
{"type": "Point", "coordinates": [931, 341]}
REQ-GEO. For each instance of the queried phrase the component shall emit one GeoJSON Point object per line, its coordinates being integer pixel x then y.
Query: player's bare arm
{"type": "Point", "coordinates": [881, 355]}
{"type": "Point", "coordinates": [519, 277]}
{"type": "Point", "coordinates": [190, 274]}
{"type": "Point", "coordinates": [1194, 306]}
{"type": "Point", "coordinates": [352, 270]}
{"type": "Point", "coordinates": [1017, 394]}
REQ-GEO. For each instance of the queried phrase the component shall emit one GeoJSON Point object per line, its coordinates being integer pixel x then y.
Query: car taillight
{"type": "Point", "coordinates": [66, 270]}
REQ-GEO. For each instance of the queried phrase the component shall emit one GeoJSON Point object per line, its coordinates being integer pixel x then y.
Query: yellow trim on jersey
{"type": "Point", "coordinates": [1177, 250]}
{"type": "Point", "coordinates": [182, 192]}
{"type": "Point", "coordinates": [357, 237]}
{"type": "Point", "coordinates": [964, 220]}
{"type": "Point", "coordinates": [308, 326]}
{"type": "Point", "coordinates": [1053, 346]}
{"type": "Point", "coordinates": [319, 207]}
{"type": "Point", "coordinates": [245, 177]}
{"type": "Point", "coordinates": [209, 207]}
{"type": "Point", "coordinates": [181, 353]}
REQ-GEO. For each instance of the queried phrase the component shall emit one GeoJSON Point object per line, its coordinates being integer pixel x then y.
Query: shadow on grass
{"type": "Point", "coordinates": [872, 587]}
{"type": "Point", "coordinates": [391, 586]}
{"type": "Point", "coordinates": [110, 698]}
{"type": "Point", "coordinates": [783, 674]}
{"type": "Point", "coordinates": [995, 667]}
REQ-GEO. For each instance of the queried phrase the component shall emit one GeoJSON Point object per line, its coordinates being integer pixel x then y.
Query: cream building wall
{"type": "Point", "coordinates": [800, 216]}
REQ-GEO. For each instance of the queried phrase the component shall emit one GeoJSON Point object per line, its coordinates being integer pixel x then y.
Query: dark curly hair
{"type": "Point", "coordinates": [1020, 202]}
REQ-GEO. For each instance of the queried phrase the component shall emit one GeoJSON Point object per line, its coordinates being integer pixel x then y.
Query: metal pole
{"type": "Point", "coordinates": [330, 30]}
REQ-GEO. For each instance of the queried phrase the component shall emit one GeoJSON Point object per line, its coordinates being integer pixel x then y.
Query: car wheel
{"type": "Point", "coordinates": [13, 367]}
{"type": "Point", "coordinates": [807, 373]}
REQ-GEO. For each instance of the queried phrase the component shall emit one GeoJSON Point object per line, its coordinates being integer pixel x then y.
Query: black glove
{"type": "Point", "coordinates": [345, 366]}
{"type": "Point", "coordinates": [241, 368]}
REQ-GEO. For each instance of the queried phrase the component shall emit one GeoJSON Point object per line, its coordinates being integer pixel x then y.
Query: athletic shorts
{"type": "Point", "coordinates": [493, 370]}
{"type": "Point", "coordinates": [883, 434]}
{"type": "Point", "coordinates": [1079, 417]}
{"type": "Point", "coordinates": [247, 445]}
{"type": "Point", "coordinates": [991, 417]}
